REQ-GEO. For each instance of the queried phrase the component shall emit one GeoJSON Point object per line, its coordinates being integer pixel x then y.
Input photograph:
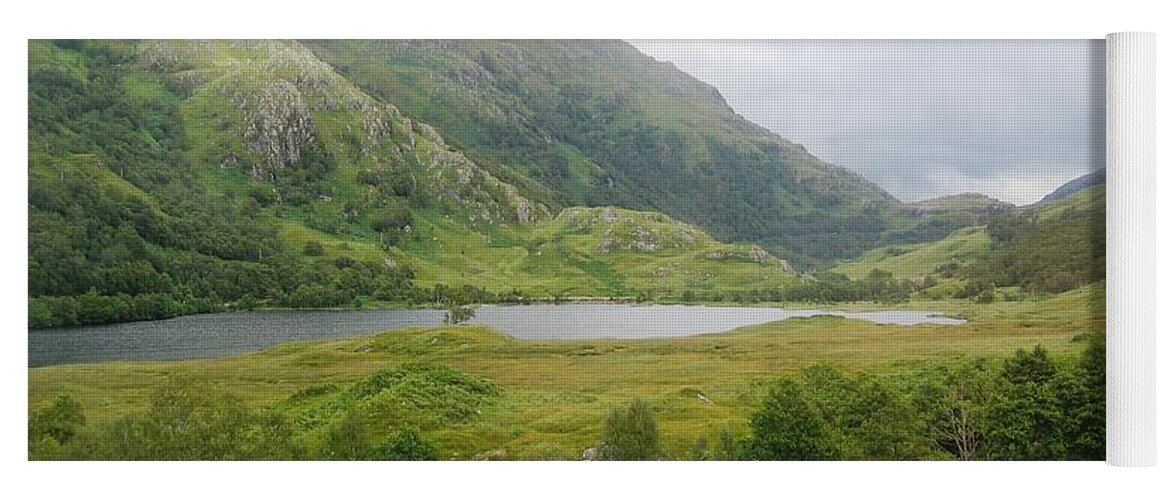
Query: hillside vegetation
{"type": "Point", "coordinates": [599, 123]}
{"type": "Point", "coordinates": [1051, 247]}
{"type": "Point", "coordinates": [171, 177]}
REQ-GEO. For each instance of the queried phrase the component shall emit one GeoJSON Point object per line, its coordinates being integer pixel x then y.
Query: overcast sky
{"type": "Point", "coordinates": [1010, 119]}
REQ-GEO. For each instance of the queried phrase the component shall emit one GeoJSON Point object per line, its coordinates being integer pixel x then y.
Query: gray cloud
{"type": "Point", "coordinates": [1012, 119]}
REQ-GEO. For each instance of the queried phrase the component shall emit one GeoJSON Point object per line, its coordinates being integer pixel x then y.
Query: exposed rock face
{"type": "Point", "coordinates": [629, 230]}
{"type": "Point", "coordinates": [758, 255]}
{"type": "Point", "coordinates": [279, 125]}
{"type": "Point", "coordinates": [752, 253]}
{"type": "Point", "coordinates": [278, 87]}
{"type": "Point", "coordinates": [465, 184]}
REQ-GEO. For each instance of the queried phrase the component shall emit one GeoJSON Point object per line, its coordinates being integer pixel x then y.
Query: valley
{"type": "Point", "coordinates": [347, 233]}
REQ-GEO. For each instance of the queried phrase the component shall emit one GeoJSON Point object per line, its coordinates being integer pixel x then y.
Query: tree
{"type": "Point", "coordinates": [395, 216]}
{"type": "Point", "coordinates": [954, 399]}
{"type": "Point", "coordinates": [1084, 402]}
{"type": "Point", "coordinates": [869, 417]}
{"type": "Point", "coordinates": [1030, 367]}
{"type": "Point", "coordinates": [631, 434]}
{"type": "Point", "coordinates": [788, 428]}
{"type": "Point", "coordinates": [457, 313]}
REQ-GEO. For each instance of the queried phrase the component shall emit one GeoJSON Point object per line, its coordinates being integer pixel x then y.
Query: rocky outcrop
{"type": "Point", "coordinates": [279, 125]}
{"type": "Point", "coordinates": [281, 89]}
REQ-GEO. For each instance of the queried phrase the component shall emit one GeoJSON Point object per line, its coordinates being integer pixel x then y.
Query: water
{"type": "Point", "coordinates": [215, 335]}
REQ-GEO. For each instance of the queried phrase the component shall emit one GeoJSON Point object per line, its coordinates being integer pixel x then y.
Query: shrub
{"type": "Point", "coordinates": [347, 439]}
{"type": "Point", "coordinates": [314, 249]}
{"type": "Point", "coordinates": [59, 421]}
{"type": "Point", "coordinates": [631, 434]}
{"type": "Point", "coordinates": [407, 444]}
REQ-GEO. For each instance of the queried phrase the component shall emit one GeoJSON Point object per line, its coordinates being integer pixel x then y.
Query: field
{"type": "Point", "coordinates": [554, 396]}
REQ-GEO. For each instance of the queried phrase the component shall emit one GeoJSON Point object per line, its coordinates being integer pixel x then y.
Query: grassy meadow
{"type": "Point", "coordinates": [553, 397]}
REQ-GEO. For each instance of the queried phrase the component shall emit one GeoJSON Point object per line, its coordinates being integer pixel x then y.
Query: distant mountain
{"type": "Point", "coordinates": [1051, 247]}
{"type": "Point", "coordinates": [966, 202]}
{"type": "Point", "coordinates": [599, 123]}
{"type": "Point", "coordinates": [1071, 187]}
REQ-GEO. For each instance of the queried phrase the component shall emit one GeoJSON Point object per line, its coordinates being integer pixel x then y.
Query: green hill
{"type": "Point", "coordinates": [1084, 182]}
{"type": "Point", "coordinates": [959, 249]}
{"type": "Point", "coordinates": [171, 177]}
{"type": "Point", "coordinates": [1051, 247]}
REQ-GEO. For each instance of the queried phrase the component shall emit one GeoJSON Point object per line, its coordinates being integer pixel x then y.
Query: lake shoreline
{"type": "Point", "coordinates": [859, 306]}
{"type": "Point", "coordinates": [229, 333]}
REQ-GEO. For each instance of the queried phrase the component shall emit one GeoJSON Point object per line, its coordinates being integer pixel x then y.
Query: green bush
{"type": "Point", "coordinates": [631, 434]}
{"type": "Point", "coordinates": [407, 444]}
{"type": "Point", "coordinates": [60, 421]}
{"type": "Point", "coordinates": [314, 249]}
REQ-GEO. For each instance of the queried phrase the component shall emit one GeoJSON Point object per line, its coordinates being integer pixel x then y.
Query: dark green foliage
{"type": "Point", "coordinates": [1027, 420]}
{"type": "Point", "coordinates": [1026, 408]}
{"type": "Point", "coordinates": [395, 216]}
{"type": "Point", "coordinates": [1027, 367]}
{"type": "Point", "coordinates": [186, 420]}
{"type": "Point", "coordinates": [314, 249]}
{"type": "Point", "coordinates": [421, 396]}
{"type": "Point", "coordinates": [59, 422]}
{"type": "Point", "coordinates": [121, 228]}
{"type": "Point", "coordinates": [825, 287]}
{"type": "Point", "coordinates": [407, 444]}
{"type": "Point", "coordinates": [954, 399]}
{"type": "Point", "coordinates": [789, 428]}
{"type": "Point", "coordinates": [1082, 398]}
{"type": "Point", "coordinates": [631, 434]}
{"type": "Point", "coordinates": [348, 439]}
{"type": "Point", "coordinates": [1050, 248]}
{"type": "Point", "coordinates": [189, 420]}
{"type": "Point", "coordinates": [874, 419]}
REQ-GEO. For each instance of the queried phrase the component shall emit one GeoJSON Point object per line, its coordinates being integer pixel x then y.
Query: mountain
{"type": "Point", "coordinates": [1086, 181]}
{"type": "Point", "coordinates": [1051, 247]}
{"type": "Point", "coordinates": [599, 123]}
{"type": "Point", "coordinates": [171, 177]}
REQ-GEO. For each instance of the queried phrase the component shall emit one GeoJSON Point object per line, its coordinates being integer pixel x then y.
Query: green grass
{"type": "Point", "coordinates": [555, 395]}
{"type": "Point", "coordinates": [961, 247]}
{"type": "Point", "coordinates": [566, 255]}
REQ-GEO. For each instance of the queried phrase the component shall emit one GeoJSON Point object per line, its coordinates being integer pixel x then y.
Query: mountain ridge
{"type": "Point", "coordinates": [172, 177]}
{"type": "Point", "coordinates": [594, 122]}
{"type": "Point", "coordinates": [1074, 186]}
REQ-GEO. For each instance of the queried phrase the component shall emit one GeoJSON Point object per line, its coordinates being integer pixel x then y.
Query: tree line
{"type": "Point", "coordinates": [1027, 407]}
